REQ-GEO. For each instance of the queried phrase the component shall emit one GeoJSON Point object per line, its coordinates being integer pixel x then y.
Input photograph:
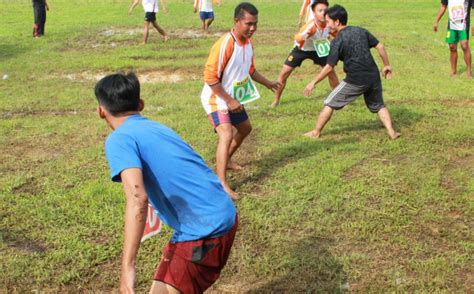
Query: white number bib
{"type": "Point", "coordinates": [457, 13]}
{"type": "Point", "coordinates": [245, 91]}
{"type": "Point", "coordinates": [322, 47]}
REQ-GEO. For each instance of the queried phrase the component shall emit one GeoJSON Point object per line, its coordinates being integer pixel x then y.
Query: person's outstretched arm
{"type": "Point", "coordinates": [135, 218]}
{"type": "Point", "coordinates": [46, 4]}
{"type": "Point", "coordinates": [302, 12]}
{"type": "Point", "coordinates": [387, 69]}
{"type": "Point", "coordinates": [321, 76]}
{"type": "Point", "coordinates": [441, 11]}
{"type": "Point", "coordinates": [134, 4]}
{"type": "Point", "coordinates": [274, 86]}
{"type": "Point", "coordinates": [196, 4]}
{"type": "Point", "coordinates": [165, 9]}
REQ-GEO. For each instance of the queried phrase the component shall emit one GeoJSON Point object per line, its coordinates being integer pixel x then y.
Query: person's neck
{"type": "Point", "coordinates": [320, 24]}
{"type": "Point", "coordinates": [341, 27]}
{"type": "Point", "coordinates": [241, 38]}
{"type": "Point", "coordinates": [116, 121]}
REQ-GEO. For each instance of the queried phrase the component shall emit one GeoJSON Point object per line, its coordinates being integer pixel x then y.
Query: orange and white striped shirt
{"type": "Point", "coordinates": [306, 11]}
{"type": "Point", "coordinates": [229, 61]}
{"type": "Point", "coordinates": [309, 33]}
{"type": "Point", "coordinates": [203, 5]}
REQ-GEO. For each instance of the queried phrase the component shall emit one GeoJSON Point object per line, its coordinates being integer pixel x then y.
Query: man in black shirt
{"type": "Point", "coordinates": [39, 10]}
{"type": "Point", "coordinates": [352, 46]}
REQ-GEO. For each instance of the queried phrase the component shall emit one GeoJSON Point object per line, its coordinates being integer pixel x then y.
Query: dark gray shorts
{"type": "Point", "coordinates": [345, 93]}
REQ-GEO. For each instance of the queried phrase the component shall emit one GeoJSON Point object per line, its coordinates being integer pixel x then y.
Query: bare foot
{"type": "Point", "coordinates": [231, 192]}
{"type": "Point", "coordinates": [275, 103]}
{"type": "Point", "coordinates": [312, 134]}
{"type": "Point", "coordinates": [453, 74]}
{"type": "Point", "coordinates": [166, 38]}
{"type": "Point", "coordinates": [394, 135]}
{"type": "Point", "coordinates": [469, 75]}
{"type": "Point", "coordinates": [233, 166]}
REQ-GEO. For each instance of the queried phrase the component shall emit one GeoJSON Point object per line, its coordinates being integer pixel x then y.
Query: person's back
{"type": "Point", "coordinates": [155, 165]}
{"type": "Point", "coordinates": [181, 187]}
{"type": "Point", "coordinates": [353, 45]}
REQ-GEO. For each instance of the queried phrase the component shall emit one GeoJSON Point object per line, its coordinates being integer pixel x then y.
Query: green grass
{"type": "Point", "coordinates": [352, 211]}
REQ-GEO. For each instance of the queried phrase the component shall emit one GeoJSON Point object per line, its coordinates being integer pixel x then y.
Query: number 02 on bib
{"type": "Point", "coordinates": [245, 91]}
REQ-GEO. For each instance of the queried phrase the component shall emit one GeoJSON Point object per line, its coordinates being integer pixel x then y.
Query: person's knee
{"type": "Point", "coordinates": [465, 46]}
{"type": "Point", "coordinates": [225, 133]}
{"type": "Point", "coordinates": [245, 132]}
{"type": "Point", "coordinates": [453, 47]}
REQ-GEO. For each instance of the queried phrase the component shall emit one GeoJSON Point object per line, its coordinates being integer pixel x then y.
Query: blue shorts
{"type": "Point", "coordinates": [226, 117]}
{"type": "Point", "coordinates": [206, 15]}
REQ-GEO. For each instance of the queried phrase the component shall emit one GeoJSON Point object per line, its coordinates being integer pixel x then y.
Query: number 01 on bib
{"type": "Point", "coordinates": [322, 47]}
{"type": "Point", "coordinates": [245, 91]}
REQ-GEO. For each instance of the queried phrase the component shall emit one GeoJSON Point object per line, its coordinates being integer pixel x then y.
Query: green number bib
{"type": "Point", "coordinates": [245, 91]}
{"type": "Point", "coordinates": [322, 47]}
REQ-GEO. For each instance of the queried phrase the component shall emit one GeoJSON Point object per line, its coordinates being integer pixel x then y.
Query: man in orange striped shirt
{"type": "Point", "coordinates": [311, 42]}
{"type": "Point", "coordinates": [229, 74]}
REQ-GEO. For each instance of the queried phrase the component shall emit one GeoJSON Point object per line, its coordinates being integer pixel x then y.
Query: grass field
{"type": "Point", "coordinates": [353, 211]}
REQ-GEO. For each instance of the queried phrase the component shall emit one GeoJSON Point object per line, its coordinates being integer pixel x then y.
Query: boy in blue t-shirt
{"type": "Point", "coordinates": [155, 165]}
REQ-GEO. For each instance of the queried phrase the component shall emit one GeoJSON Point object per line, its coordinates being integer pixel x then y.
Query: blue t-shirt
{"type": "Point", "coordinates": [181, 187]}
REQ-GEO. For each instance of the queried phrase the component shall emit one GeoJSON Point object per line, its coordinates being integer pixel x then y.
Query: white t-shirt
{"type": "Point", "coordinates": [204, 5]}
{"type": "Point", "coordinates": [458, 13]}
{"type": "Point", "coordinates": [150, 5]}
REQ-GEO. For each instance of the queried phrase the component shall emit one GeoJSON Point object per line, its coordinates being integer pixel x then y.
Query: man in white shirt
{"type": "Point", "coordinates": [151, 9]}
{"type": "Point", "coordinates": [206, 13]}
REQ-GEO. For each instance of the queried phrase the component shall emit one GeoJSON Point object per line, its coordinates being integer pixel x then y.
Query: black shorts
{"type": "Point", "coordinates": [345, 93]}
{"type": "Point", "coordinates": [150, 16]}
{"type": "Point", "coordinates": [297, 56]}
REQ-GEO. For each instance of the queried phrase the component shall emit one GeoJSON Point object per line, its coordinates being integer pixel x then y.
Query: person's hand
{"type": "Point", "coordinates": [234, 106]}
{"type": "Point", "coordinates": [309, 88]}
{"type": "Point", "coordinates": [435, 27]}
{"type": "Point", "coordinates": [387, 72]}
{"type": "Point", "coordinates": [275, 86]}
{"type": "Point", "coordinates": [127, 281]}
{"type": "Point", "coordinates": [195, 10]}
{"type": "Point", "coordinates": [165, 9]}
{"type": "Point", "coordinates": [47, 7]}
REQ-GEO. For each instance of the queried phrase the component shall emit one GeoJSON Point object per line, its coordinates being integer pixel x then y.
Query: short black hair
{"type": "Point", "coordinates": [119, 93]}
{"type": "Point", "coordinates": [245, 7]}
{"type": "Point", "coordinates": [316, 2]}
{"type": "Point", "coordinates": [337, 12]}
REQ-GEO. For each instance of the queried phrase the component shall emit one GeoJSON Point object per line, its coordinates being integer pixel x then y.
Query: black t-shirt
{"type": "Point", "coordinates": [39, 2]}
{"type": "Point", "coordinates": [352, 46]}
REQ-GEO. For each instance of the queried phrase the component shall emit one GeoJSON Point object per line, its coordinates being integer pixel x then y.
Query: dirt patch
{"type": "Point", "coordinates": [148, 77]}
{"type": "Point", "coordinates": [16, 241]}
{"type": "Point", "coordinates": [32, 112]}
{"type": "Point", "coordinates": [30, 186]}
{"type": "Point", "coordinates": [361, 168]}
{"type": "Point", "coordinates": [193, 34]}
{"type": "Point", "coordinates": [175, 34]}
{"type": "Point", "coordinates": [455, 177]}
{"type": "Point", "coordinates": [458, 102]}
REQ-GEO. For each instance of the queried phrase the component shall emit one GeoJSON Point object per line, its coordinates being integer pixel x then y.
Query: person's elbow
{"type": "Point", "coordinates": [380, 46]}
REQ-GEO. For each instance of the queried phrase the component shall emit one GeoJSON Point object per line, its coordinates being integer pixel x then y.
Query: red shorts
{"type": "Point", "coordinates": [193, 266]}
